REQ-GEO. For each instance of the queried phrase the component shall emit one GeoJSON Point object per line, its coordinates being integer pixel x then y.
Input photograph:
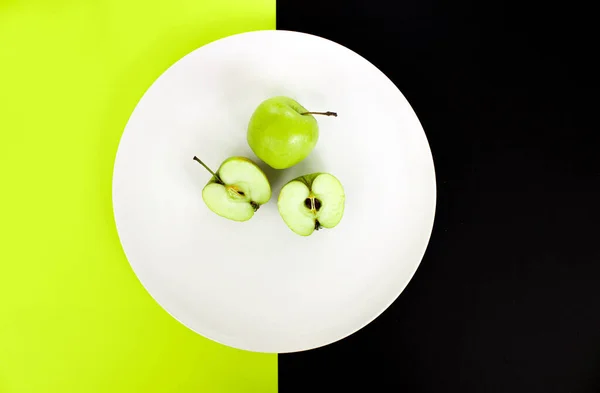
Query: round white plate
{"type": "Point", "coordinates": [256, 285]}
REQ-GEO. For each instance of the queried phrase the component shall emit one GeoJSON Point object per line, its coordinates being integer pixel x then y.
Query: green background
{"type": "Point", "coordinates": [74, 317]}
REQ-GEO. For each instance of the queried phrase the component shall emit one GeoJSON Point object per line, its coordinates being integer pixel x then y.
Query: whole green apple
{"type": "Point", "coordinates": [281, 132]}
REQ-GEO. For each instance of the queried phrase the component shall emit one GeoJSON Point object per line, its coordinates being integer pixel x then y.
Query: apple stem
{"type": "Point", "coordinates": [317, 225]}
{"type": "Point", "coordinates": [320, 113]}
{"type": "Point", "coordinates": [208, 169]}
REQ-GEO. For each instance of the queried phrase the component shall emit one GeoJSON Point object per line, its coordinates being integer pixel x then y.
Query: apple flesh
{"type": "Point", "coordinates": [281, 132]}
{"type": "Point", "coordinates": [312, 202]}
{"type": "Point", "coordinates": [237, 189]}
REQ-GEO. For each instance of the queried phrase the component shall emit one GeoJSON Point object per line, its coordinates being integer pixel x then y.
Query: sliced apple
{"type": "Point", "coordinates": [237, 189]}
{"type": "Point", "coordinates": [312, 202]}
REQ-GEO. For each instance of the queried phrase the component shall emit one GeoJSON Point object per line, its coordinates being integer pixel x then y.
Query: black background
{"type": "Point", "coordinates": [507, 296]}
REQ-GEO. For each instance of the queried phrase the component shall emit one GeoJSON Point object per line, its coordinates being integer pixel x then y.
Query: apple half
{"type": "Point", "coordinates": [237, 189]}
{"type": "Point", "coordinates": [312, 202]}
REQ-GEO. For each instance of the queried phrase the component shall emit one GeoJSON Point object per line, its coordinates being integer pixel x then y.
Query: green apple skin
{"type": "Point", "coordinates": [279, 135]}
{"type": "Point", "coordinates": [242, 187]}
{"type": "Point", "coordinates": [302, 217]}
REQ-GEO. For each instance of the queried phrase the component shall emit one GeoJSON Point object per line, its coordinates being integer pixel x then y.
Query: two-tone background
{"type": "Point", "coordinates": [507, 297]}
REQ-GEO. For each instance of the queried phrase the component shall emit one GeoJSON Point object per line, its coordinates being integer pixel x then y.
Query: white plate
{"type": "Point", "coordinates": [256, 285]}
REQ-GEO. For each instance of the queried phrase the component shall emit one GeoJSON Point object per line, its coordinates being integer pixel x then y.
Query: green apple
{"type": "Point", "coordinates": [237, 189]}
{"type": "Point", "coordinates": [312, 202]}
{"type": "Point", "coordinates": [281, 132]}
